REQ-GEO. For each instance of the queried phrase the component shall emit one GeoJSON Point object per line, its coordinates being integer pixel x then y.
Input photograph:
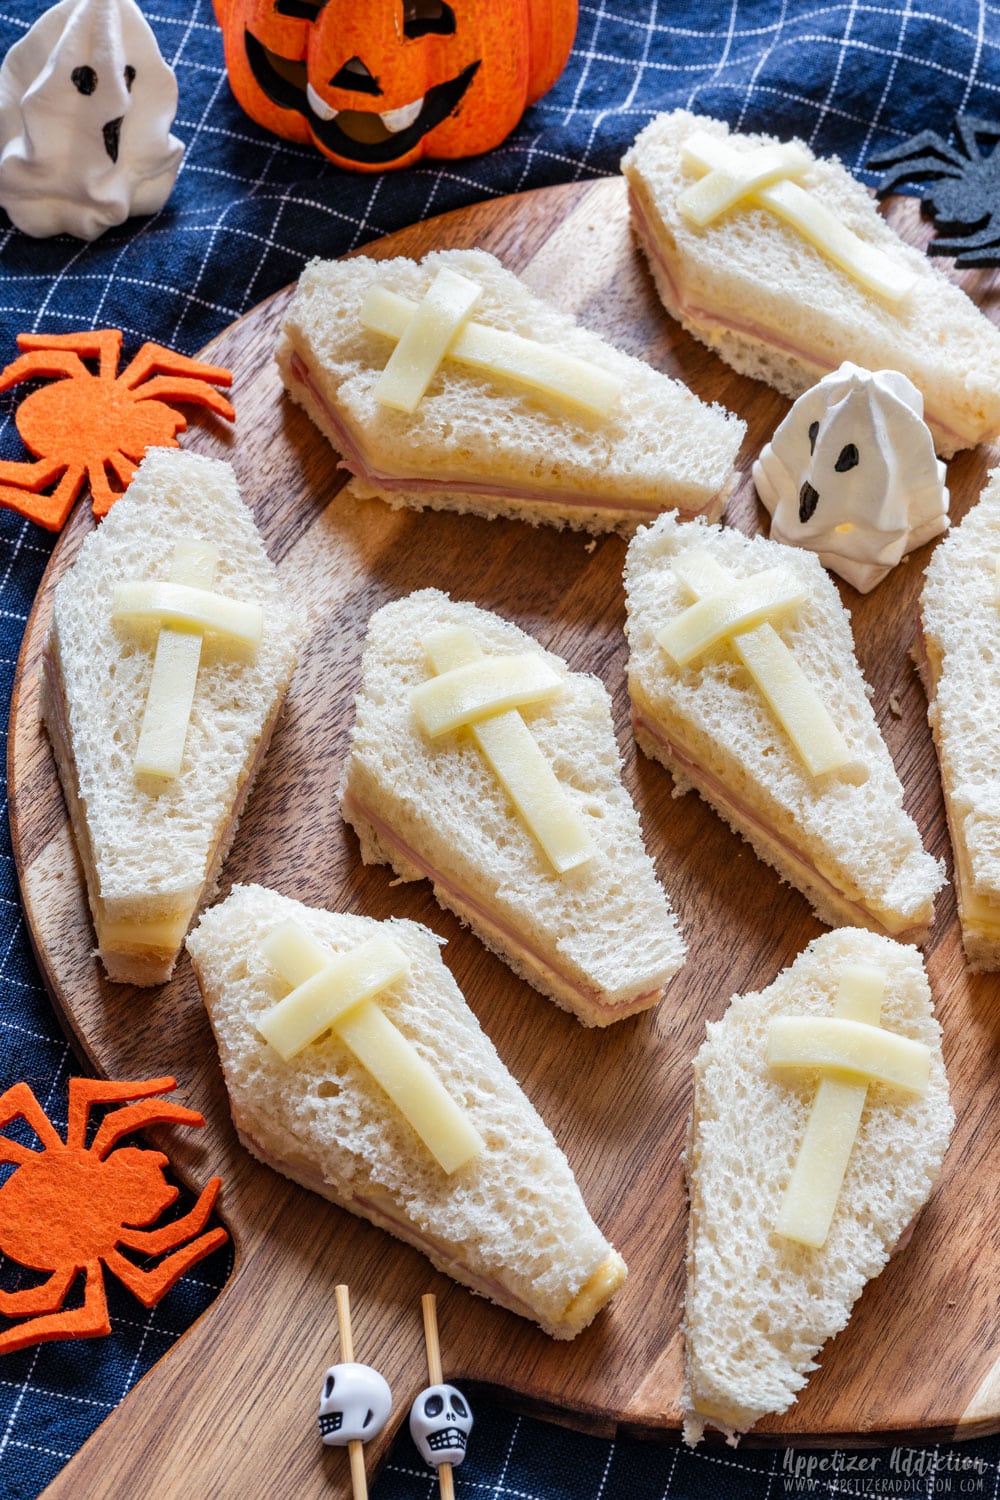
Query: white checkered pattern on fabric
{"type": "Point", "coordinates": [247, 211]}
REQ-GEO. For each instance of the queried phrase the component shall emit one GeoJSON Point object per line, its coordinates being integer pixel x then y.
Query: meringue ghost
{"type": "Point", "coordinates": [86, 105]}
{"type": "Point", "coordinates": [851, 473]}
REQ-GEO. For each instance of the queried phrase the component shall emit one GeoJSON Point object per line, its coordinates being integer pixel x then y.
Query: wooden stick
{"type": "Point", "coordinates": [428, 1305]}
{"type": "Point", "coordinates": [355, 1448]}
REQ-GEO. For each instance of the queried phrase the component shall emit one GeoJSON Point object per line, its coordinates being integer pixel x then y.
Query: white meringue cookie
{"type": "Point", "coordinates": [852, 475]}
{"type": "Point", "coordinates": [86, 105]}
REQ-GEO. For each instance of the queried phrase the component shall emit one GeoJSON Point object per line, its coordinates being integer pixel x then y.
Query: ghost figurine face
{"type": "Point", "coordinates": [440, 1423]}
{"type": "Point", "coordinates": [354, 1404]}
{"type": "Point", "coordinates": [86, 105]}
{"type": "Point", "coordinates": [851, 474]}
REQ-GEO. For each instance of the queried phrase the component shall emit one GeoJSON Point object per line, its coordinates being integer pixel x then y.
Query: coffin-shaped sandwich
{"type": "Point", "coordinates": [744, 684]}
{"type": "Point", "coordinates": [355, 1067]}
{"type": "Point", "coordinates": [447, 383]}
{"type": "Point", "coordinates": [781, 263]}
{"type": "Point", "coordinates": [819, 1124]}
{"type": "Point", "coordinates": [956, 654]}
{"type": "Point", "coordinates": [480, 763]}
{"type": "Point", "coordinates": [172, 644]}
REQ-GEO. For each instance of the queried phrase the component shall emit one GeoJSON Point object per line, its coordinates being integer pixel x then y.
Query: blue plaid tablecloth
{"type": "Point", "coordinates": [247, 211]}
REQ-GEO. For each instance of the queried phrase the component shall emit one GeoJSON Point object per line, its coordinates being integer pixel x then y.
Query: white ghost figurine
{"type": "Point", "coordinates": [851, 474]}
{"type": "Point", "coordinates": [86, 105]}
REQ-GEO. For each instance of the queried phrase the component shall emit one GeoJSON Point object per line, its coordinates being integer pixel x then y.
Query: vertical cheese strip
{"type": "Point", "coordinates": [864, 263]}
{"type": "Point", "coordinates": [786, 688]}
{"type": "Point", "coordinates": [424, 343]}
{"type": "Point", "coordinates": [175, 674]}
{"type": "Point", "coordinates": [334, 991]}
{"type": "Point", "coordinates": [521, 768]}
{"type": "Point", "coordinates": [811, 1196]}
{"type": "Point", "coordinates": [722, 189]}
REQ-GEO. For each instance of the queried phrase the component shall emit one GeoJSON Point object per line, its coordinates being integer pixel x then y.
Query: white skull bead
{"type": "Point", "coordinates": [354, 1404]}
{"type": "Point", "coordinates": [440, 1423]}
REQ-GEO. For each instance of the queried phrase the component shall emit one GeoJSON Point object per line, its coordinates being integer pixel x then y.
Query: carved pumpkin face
{"type": "Point", "coordinates": [380, 83]}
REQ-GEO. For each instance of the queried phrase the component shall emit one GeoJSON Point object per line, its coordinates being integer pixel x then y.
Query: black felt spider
{"type": "Point", "coordinates": [964, 201]}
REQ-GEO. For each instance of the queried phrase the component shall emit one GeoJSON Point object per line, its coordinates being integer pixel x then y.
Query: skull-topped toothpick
{"type": "Point", "coordinates": [355, 1401]}
{"type": "Point", "coordinates": [440, 1418]}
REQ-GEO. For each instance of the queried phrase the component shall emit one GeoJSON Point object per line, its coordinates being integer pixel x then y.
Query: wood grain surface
{"type": "Point", "coordinates": [230, 1410]}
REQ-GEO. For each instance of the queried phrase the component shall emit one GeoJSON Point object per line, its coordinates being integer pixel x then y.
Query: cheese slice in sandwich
{"type": "Point", "coordinates": [760, 1304]}
{"type": "Point", "coordinates": [482, 438]}
{"type": "Point", "coordinates": [754, 288]}
{"type": "Point", "coordinates": [152, 843]}
{"type": "Point", "coordinates": [598, 937]}
{"type": "Point", "coordinates": [508, 1220]}
{"type": "Point", "coordinates": [956, 655]}
{"type": "Point", "coordinates": [771, 722]}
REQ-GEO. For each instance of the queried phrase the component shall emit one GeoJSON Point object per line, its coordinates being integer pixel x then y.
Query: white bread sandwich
{"type": "Point", "coordinates": [485, 437]}
{"type": "Point", "coordinates": [769, 719]}
{"type": "Point", "coordinates": [955, 653]}
{"type": "Point", "coordinates": [503, 1214]}
{"type": "Point", "coordinates": [598, 938]}
{"type": "Point", "coordinates": [780, 1248]}
{"type": "Point", "coordinates": [155, 777]}
{"type": "Point", "coordinates": [753, 288]}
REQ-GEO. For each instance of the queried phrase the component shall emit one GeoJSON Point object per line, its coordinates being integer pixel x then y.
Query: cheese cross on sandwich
{"type": "Point", "coordinates": [850, 1052]}
{"type": "Point", "coordinates": [505, 1216]}
{"type": "Point", "coordinates": [449, 384]}
{"type": "Point", "coordinates": [338, 991]}
{"type": "Point", "coordinates": [184, 610]}
{"type": "Point", "coordinates": [771, 722]}
{"type": "Point", "coordinates": [512, 806]}
{"type": "Point", "coordinates": [843, 1043]}
{"type": "Point", "coordinates": [484, 695]}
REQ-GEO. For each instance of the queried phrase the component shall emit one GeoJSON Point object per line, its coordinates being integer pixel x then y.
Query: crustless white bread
{"type": "Point", "coordinates": [152, 855]}
{"type": "Point", "coordinates": [753, 289]}
{"type": "Point", "coordinates": [600, 939]}
{"type": "Point", "coordinates": [760, 1307]}
{"type": "Point", "coordinates": [477, 443]}
{"type": "Point", "coordinates": [850, 848]}
{"type": "Point", "coordinates": [956, 654]}
{"type": "Point", "coordinates": [510, 1223]}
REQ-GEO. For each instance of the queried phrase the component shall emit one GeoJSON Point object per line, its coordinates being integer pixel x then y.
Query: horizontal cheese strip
{"type": "Point", "coordinates": [810, 1198]}
{"type": "Point", "coordinates": [723, 188]}
{"type": "Point", "coordinates": [512, 752]}
{"type": "Point", "coordinates": [486, 686]}
{"type": "Point", "coordinates": [792, 697]}
{"type": "Point", "coordinates": [848, 1047]}
{"type": "Point", "coordinates": [424, 341]}
{"type": "Point", "coordinates": [541, 367]}
{"type": "Point", "coordinates": [746, 603]}
{"type": "Point", "coordinates": [864, 263]}
{"type": "Point", "coordinates": [185, 608]}
{"type": "Point", "coordinates": [348, 981]}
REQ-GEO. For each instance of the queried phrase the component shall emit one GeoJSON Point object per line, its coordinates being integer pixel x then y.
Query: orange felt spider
{"type": "Point", "coordinates": [67, 1207]}
{"type": "Point", "coordinates": [93, 426]}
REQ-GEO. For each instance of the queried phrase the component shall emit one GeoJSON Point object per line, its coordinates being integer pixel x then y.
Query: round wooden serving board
{"type": "Point", "coordinates": [231, 1408]}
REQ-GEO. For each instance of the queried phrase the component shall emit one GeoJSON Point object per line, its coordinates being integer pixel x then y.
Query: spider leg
{"type": "Point", "coordinates": [134, 1116]}
{"type": "Point", "coordinates": [34, 366]}
{"type": "Point", "coordinates": [84, 1092]}
{"type": "Point", "coordinates": [46, 1298]}
{"type": "Point", "coordinates": [101, 493]}
{"type": "Point", "coordinates": [49, 510]}
{"type": "Point", "coordinates": [925, 142]}
{"type": "Point", "coordinates": [20, 1103]}
{"type": "Point", "coordinates": [987, 237]}
{"type": "Point", "coordinates": [969, 129]}
{"type": "Point", "coordinates": [103, 344]}
{"type": "Point", "coordinates": [87, 1321]}
{"type": "Point", "coordinates": [150, 1286]}
{"type": "Point", "coordinates": [154, 358]}
{"type": "Point", "coordinates": [921, 167]}
{"type": "Point", "coordinates": [177, 388]}
{"type": "Point", "coordinates": [156, 1241]}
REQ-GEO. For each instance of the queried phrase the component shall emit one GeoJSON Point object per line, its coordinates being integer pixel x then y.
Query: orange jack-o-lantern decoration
{"type": "Point", "coordinates": [380, 83]}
